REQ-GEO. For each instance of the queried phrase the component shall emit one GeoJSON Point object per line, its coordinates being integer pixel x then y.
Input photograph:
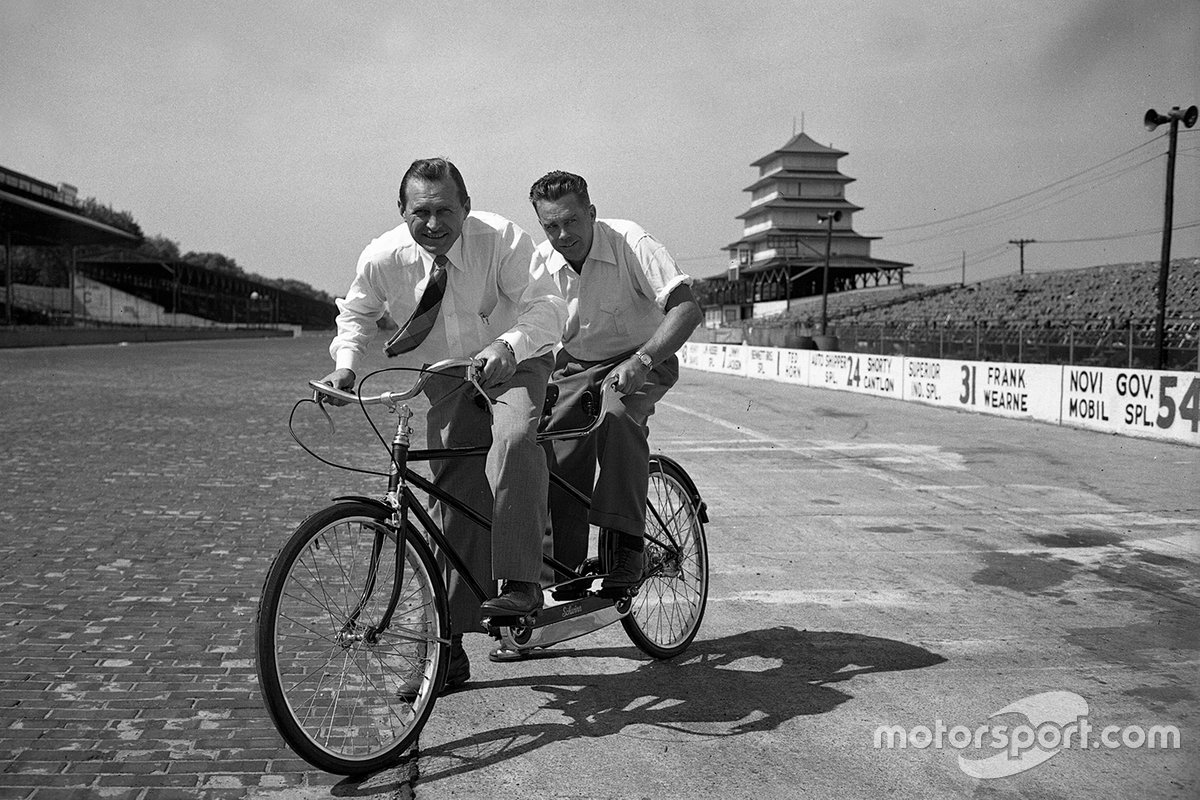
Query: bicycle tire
{"type": "Point", "coordinates": [666, 612]}
{"type": "Point", "coordinates": [332, 693]}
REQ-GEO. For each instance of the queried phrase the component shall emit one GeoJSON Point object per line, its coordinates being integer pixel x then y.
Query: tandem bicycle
{"type": "Point", "coordinates": [354, 604]}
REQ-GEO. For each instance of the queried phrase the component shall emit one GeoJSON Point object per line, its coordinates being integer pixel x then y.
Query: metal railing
{"type": "Point", "coordinates": [1083, 343]}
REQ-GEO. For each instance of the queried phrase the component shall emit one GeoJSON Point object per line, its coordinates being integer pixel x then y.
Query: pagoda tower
{"type": "Point", "coordinates": [781, 255]}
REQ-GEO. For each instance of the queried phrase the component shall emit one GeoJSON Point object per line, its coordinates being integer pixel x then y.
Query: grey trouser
{"type": "Point", "coordinates": [619, 447]}
{"type": "Point", "coordinates": [510, 486]}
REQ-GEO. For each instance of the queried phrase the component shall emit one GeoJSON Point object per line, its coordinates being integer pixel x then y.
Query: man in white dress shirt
{"type": "Point", "coordinates": [497, 304]}
{"type": "Point", "coordinates": [629, 309]}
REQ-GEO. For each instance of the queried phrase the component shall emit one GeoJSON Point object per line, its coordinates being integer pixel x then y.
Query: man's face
{"type": "Point", "coordinates": [434, 214]}
{"type": "Point", "coordinates": [568, 225]}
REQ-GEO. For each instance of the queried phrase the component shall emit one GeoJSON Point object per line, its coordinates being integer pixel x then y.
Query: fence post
{"type": "Point", "coordinates": [1071, 345]}
{"type": "Point", "coordinates": [941, 342]}
{"type": "Point", "coordinates": [976, 340]}
{"type": "Point", "coordinates": [1020, 345]}
{"type": "Point", "coordinates": [1130, 346]}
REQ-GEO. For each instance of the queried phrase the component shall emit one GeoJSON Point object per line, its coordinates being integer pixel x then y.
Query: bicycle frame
{"type": "Point", "coordinates": [400, 500]}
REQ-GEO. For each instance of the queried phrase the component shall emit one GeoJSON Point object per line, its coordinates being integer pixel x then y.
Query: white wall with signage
{"type": "Point", "coordinates": [1152, 404]}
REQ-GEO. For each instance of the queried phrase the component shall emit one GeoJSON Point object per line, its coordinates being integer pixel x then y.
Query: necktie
{"type": "Point", "coordinates": [413, 332]}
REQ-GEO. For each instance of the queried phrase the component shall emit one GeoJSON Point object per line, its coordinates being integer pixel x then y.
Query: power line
{"type": "Point", "coordinates": [1130, 235]}
{"type": "Point", "coordinates": [1037, 206]}
{"type": "Point", "coordinates": [1021, 196]}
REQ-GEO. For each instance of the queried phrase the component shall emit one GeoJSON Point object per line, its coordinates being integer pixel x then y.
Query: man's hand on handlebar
{"type": "Point", "coordinates": [499, 364]}
{"type": "Point", "coordinates": [628, 376]}
{"type": "Point", "coordinates": [340, 379]}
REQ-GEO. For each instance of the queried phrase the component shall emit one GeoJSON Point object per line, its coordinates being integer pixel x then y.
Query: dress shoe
{"type": "Point", "coordinates": [626, 571]}
{"type": "Point", "coordinates": [516, 599]}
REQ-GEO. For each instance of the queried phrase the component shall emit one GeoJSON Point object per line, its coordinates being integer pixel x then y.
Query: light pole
{"type": "Point", "coordinates": [1152, 120]}
{"type": "Point", "coordinates": [829, 219]}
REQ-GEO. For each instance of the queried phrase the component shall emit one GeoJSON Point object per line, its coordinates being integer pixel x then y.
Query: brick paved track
{"type": "Point", "coordinates": [144, 493]}
{"type": "Point", "coordinates": [873, 563]}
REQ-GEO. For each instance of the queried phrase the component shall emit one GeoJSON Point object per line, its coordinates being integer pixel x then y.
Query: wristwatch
{"type": "Point", "coordinates": [644, 358]}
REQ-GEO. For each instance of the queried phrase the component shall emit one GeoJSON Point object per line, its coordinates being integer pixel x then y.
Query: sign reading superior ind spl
{"type": "Point", "coordinates": [1024, 391]}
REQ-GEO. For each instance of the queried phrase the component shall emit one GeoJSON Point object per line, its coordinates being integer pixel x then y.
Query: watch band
{"type": "Point", "coordinates": [644, 358]}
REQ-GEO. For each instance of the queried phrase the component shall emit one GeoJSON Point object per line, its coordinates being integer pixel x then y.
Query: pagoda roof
{"type": "Point", "coordinates": [786, 173]}
{"type": "Point", "coordinates": [835, 262]}
{"type": "Point", "coordinates": [813, 233]}
{"type": "Point", "coordinates": [800, 143]}
{"type": "Point", "coordinates": [800, 202]}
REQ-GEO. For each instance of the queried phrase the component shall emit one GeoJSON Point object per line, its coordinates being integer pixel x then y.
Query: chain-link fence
{"type": "Point", "coordinates": [1084, 343]}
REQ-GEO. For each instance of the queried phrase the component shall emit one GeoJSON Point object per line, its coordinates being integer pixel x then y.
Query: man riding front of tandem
{"type": "Point", "coordinates": [465, 284]}
{"type": "Point", "coordinates": [629, 310]}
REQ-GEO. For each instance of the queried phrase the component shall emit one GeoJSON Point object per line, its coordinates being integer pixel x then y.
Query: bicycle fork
{"type": "Point", "coordinates": [397, 499]}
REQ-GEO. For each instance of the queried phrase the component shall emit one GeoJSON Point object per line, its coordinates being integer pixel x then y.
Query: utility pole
{"type": "Point", "coordinates": [1021, 243]}
{"type": "Point", "coordinates": [1152, 120]}
{"type": "Point", "coordinates": [828, 219]}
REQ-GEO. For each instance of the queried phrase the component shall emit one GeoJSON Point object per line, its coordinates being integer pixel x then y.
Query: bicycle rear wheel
{"type": "Point", "coordinates": [329, 678]}
{"type": "Point", "coordinates": [666, 612]}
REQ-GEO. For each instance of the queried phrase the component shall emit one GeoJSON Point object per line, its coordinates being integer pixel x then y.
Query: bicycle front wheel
{"type": "Point", "coordinates": [666, 612]}
{"type": "Point", "coordinates": [348, 697]}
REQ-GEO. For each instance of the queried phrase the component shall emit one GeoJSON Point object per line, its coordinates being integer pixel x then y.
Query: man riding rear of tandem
{"type": "Point", "coordinates": [629, 310]}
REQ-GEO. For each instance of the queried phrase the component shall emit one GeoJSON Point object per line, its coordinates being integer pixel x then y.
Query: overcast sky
{"type": "Point", "coordinates": [276, 133]}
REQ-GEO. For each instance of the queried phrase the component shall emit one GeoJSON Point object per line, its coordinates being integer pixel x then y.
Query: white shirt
{"type": "Point", "coordinates": [495, 289]}
{"type": "Point", "coordinates": [618, 301]}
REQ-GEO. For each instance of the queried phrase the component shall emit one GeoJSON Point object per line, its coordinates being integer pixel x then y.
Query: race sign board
{"type": "Point", "coordinates": [1147, 403]}
{"type": "Point", "coordinates": [1028, 391]}
{"type": "Point", "coordinates": [856, 372]}
{"type": "Point", "coordinates": [1135, 402]}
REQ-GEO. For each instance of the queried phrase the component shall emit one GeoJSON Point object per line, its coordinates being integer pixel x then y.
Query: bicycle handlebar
{"type": "Point", "coordinates": [473, 366]}
{"type": "Point", "coordinates": [608, 395]}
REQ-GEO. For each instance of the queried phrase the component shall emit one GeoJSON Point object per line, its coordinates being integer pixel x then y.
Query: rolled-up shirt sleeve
{"type": "Point", "coordinates": [358, 312]}
{"type": "Point", "coordinates": [541, 309]}
{"type": "Point", "coordinates": [660, 275]}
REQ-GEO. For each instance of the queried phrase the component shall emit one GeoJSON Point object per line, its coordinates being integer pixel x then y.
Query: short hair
{"type": "Point", "coordinates": [557, 185]}
{"type": "Point", "coordinates": [433, 169]}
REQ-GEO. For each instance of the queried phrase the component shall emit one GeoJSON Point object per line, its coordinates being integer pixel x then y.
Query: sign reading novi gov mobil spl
{"type": "Point", "coordinates": [1134, 402]}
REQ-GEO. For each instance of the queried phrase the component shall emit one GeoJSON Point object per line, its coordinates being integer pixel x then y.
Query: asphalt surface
{"type": "Point", "coordinates": [874, 563]}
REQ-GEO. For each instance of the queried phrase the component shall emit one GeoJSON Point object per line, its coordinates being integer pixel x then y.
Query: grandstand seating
{"type": "Point", "coordinates": [1105, 315]}
{"type": "Point", "coordinates": [1093, 298]}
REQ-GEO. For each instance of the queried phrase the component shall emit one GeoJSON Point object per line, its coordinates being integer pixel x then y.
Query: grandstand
{"type": "Point", "coordinates": [1094, 315]}
{"type": "Point", "coordinates": [71, 264]}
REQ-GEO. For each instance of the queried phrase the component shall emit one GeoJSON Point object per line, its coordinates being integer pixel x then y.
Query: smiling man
{"type": "Point", "coordinates": [629, 310]}
{"type": "Point", "coordinates": [464, 284]}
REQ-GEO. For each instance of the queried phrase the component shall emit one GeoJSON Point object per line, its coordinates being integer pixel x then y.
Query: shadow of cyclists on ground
{"type": "Point", "coordinates": [752, 681]}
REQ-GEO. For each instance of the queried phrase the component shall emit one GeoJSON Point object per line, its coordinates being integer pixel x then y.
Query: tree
{"type": "Point", "coordinates": [217, 262]}
{"type": "Point", "coordinates": [160, 247]}
{"type": "Point", "coordinates": [101, 212]}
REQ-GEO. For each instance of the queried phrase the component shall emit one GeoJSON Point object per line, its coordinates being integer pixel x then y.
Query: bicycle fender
{"type": "Point", "coordinates": [372, 501]}
{"type": "Point", "coordinates": [689, 485]}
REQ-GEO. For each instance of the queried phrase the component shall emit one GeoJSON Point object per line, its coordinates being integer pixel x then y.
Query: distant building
{"type": "Point", "coordinates": [781, 255]}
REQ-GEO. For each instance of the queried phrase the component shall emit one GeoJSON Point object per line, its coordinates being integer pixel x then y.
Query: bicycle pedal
{"type": "Point", "coordinates": [510, 620]}
{"type": "Point", "coordinates": [618, 592]}
{"type": "Point", "coordinates": [575, 589]}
